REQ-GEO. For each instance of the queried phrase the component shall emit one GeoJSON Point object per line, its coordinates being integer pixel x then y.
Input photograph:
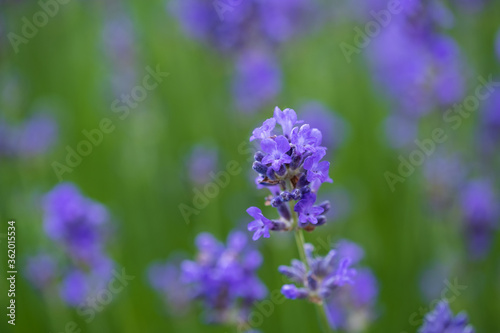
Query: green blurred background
{"type": "Point", "coordinates": [138, 171]}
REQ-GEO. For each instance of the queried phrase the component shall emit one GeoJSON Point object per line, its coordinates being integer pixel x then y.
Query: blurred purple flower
{"type": "Point", "coordinates": [441, 320]}
{"type": "Point", "coordinates": [497, 45]}
{"type": "Point", "coordinates": [257, 80]}
{"type": "Point", "coordinates": [480, 206]}
{"type": "Point", "coordinates": [74, 221]}
{"type": "Point", "coordinates": [319, 279]}
{"type": "Point", "coordinates": [224, 277]}
{"type": "Point", "coordinates": [352, 308]}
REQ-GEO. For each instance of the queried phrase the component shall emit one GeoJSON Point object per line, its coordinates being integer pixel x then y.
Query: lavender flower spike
{"type": "Point", "coordinates": [291, 166]}
{"type": "Point", "coordinates": [441, 320]}
{"type": "Point", "coordinates": [321, 280]}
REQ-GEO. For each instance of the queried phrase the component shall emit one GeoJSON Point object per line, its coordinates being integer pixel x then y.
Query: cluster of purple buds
{"type": "Point", "coordinates": [319, 278]}
{"type": "Point", "coordinates": [76, 224]}
{"type": "Point", "coordinates": [290, 165]}
{"type": "Point", "coordinates": [441, 320]}
{"type": "Point", "coordinates": [224, 278]}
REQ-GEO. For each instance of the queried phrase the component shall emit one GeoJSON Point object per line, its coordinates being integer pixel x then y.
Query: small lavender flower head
{"type": "Point", "coordinates": [256, 81]}
{"type": "Point", "coordinates": [224, 277]}
{"type": "Point", "coordinates": [352, 309]}
{"type": "Point", "coordinates": [479, 204]}
{"type": "Point", "coordinates": [319, 279]}
{"type": "Point", "coordinates": [75, 222]}
{"type": "Point", "coordinates": [291, 164]}
{"type": "Point", "coordinates": [441, 320]}
{"type": "Point", "coordinates": [200, 163]}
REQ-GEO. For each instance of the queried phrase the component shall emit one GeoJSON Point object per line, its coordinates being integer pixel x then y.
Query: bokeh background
{"type": "Point", "coordinates": [66, 78]}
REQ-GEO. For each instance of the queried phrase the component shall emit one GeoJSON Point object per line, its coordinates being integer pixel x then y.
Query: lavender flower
{"type": "Point", "coordinates": [257, 80]}
{"type": "Point", "coordinates": [489, 127]}
{"type": "Point", "coordinates": [224, 277]}
{"type": "Point", "coordinates": [291, 166]}
{"type": "Point", "coordinates": [319, 278]}
{"type": "Point", "coordinates": [441, 320]}
{"type": "Point", "coordinates": [352, 308]}
{"type": "Point", "coordinates": [479, 203]}
{"type": "Point", "coordinates": [75, 222]}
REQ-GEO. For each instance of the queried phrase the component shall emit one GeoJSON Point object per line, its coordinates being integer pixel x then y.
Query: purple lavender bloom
{"type": "Point", "coordinates": [420, 69]}
{"type": "Point", "coordinates": [305, 138]}
{"type": "Point", "coordinates": [276, 151]}
{"type": "Point", "coordinates": [479, 204]}
{"type": "Point", "coordinates": [261, 225]}
{"type": "Point", "coordinates": [441, 320]}
{"type": "Point", "coordinates": [290, 166]}
{"type": "Point", "coordinates": [332, 127]}
{"type": "Point", "coordinates": [264, 132]}
{"type": "Point", "coordinates": [200, 163]}
{"type": "Point", "coordinates": [287, 119]}
{"type": "Point", "coordinates": [74, 221]}
{"type": "Point", "coordinates": [257, 80]}
{"type": "Point", "coordinates": [319, 278]}
{"type": "Point", "coordinates": [308, 213]}
{"type": "Point", "coordinates": [74, 288]}
{"type": "Point", "coordinates": [224, 277]}
{"type": "Point", "coordinates": [41, 270]}
{"type": "Point", "coordinates": [352, 308]}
